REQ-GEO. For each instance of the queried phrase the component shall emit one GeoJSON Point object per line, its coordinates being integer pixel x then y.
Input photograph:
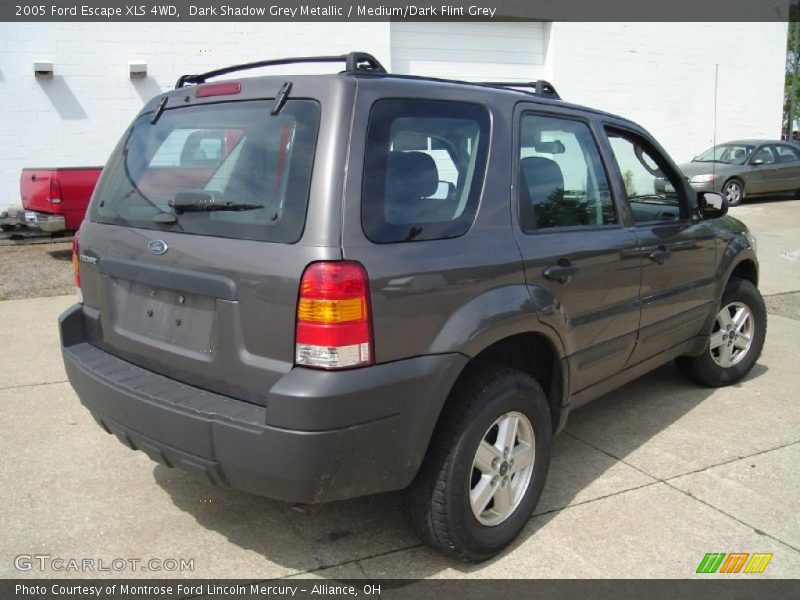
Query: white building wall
{"type": "Point", "coordinates": [658, 74]}
{"type": "Point", "coordinates": [470, 51]}
{"type": "Point", "coordinates": [661, 75]}
{"type": "Point", "coordinates": [76, 117]}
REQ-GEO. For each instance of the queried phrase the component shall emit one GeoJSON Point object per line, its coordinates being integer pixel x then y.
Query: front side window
{"type": "Point", "coordinates": [562, 182]}
{"type": "Point", "coordinates": [650, 186]}
{"type": "Point", "coordinates": [423, 169]}
{"type": "Point", "coordinates": [229, 170]}
{"type": "Point", "coordinates": [763, 156]}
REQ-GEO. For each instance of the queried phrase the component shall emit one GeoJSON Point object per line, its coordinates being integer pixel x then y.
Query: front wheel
{"type": "Point", "coordinates": [486, 466]}
{"type": "Point", "coordinates": [736, 339]}
{"type": "Point", "coordinates": [734, 192]}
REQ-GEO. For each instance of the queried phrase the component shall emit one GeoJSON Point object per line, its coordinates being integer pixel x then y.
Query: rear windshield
{"type": "Point", "coordinates": [230, 170]}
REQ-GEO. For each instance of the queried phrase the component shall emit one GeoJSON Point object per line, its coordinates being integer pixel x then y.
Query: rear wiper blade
{"type": "Point", "coordinates": [215, 206]}
{"type": "Point", "coordinates": [200, 201]}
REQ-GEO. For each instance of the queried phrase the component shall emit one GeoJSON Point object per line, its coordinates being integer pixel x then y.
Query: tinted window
{"type": "Point", "coordinates": [787, 153]}
{"type": "Point", "coordinates": [764, 155]}
{"type": "Point", "coordinates": [562, 182]}
{"type": "Point", "coordinates": [195, 161]}
{"type": "Point", "coordinates": [423, 170]}
{"type": "Point", "coordinates": [650, 186]}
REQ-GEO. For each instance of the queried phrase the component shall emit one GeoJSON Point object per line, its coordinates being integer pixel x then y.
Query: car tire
{"type": "Point", "coordinates": [729, 355]}
{"type": "Point", "coordinates": [734, 191]}
{"type": "Point", "coordinates": [442, 501]}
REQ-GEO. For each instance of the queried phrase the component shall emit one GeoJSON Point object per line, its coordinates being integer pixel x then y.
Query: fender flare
{"type": "Point", "coordinates": [490, 317]}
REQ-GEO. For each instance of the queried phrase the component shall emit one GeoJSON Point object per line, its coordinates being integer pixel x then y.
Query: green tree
{"type": "Point", "coordinates": [627, 179]}
{"type": "Point", "coordinates": [792, 66]}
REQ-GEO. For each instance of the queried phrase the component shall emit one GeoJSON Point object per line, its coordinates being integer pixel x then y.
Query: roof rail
{"type": "Point", "coordinates": [355, 62]}
{"type": "Point", "coordinates": [540, 87]}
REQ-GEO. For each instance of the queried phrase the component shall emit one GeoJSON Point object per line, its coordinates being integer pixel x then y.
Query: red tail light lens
{"type": "Point", "coordinates": [76, 261]}
{"type": "Point", "coordinates": [55, 191]}
{"type": "Point", "coordinates": [334, 326]}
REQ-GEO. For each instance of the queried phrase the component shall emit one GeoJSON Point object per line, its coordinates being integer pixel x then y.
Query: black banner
{"type": "Point", "coordinates": [394, 10]}
{"type": "Point", "coordinates": [480, 589]}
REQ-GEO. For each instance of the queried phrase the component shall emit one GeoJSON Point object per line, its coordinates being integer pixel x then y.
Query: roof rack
{"type": "Point", "coordinates": [540, 87]}
{"type": "Point", "coordinates": [355, 62]}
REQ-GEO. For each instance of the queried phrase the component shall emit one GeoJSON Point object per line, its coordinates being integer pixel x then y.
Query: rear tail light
{"type": "Point", "coordinates": [76, 261]}
{"type": "Point", "coordinates": [55, 191]}
{"type": "Point", "coordinates": [334, 326]}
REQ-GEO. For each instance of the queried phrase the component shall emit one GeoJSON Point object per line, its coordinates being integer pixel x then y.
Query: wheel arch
{"type": "Point", "coordinates": [535, 352]}
{"type": "Point", "coordinates": [744, 269]}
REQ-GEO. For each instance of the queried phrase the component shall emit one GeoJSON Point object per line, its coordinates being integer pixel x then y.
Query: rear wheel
{"type": "Point", "coordinates": [486, 466]}
{"type": "Point", "coordinates": [736, 339]}
{"type": "Point", "coordinates": [733, 190]}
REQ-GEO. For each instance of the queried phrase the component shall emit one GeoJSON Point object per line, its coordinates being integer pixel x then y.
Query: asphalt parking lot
{"type": "Point", "coordinates": [644, 482]}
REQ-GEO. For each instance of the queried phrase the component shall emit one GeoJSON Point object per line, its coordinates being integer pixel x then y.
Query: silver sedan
{"type": "Point", "coordinates": [746, 168]}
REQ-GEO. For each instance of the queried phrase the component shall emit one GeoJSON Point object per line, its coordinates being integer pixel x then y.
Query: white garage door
{"type": "Point", "coordinates": [470, 51]}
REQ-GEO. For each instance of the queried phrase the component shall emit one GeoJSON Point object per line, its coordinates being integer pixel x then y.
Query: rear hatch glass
{"type": "Point", "coordinates": [230, 169]}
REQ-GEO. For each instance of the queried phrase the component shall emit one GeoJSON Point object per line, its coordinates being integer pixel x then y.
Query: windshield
{"type": "Point", "coordinates": [731, 154]}
{"type": "Point", "coordinates": [230, 170]}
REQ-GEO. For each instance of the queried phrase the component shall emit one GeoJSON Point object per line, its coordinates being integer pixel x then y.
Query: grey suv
{"type": "Point", "coordinates": [320, 287]}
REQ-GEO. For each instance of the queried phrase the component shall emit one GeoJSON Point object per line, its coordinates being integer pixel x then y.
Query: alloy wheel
{"type": "Point", "coordinates": [502, 468]}
{"type": "Point", "coordinates": [733, 192]}
{"type": "Point", "coordinates": [733, 334]}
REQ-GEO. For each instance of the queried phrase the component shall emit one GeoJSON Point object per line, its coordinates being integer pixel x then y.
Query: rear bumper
{"type": "Point", "coordinates": [40, 221]}
{"type": "Point", "coordinates": [391, 411]}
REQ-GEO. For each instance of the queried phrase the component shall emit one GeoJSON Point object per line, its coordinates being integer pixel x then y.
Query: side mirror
{"type": "Point", "coordinates": [712, 205]}
{"type": "Point", "coordinates": [757, 161]}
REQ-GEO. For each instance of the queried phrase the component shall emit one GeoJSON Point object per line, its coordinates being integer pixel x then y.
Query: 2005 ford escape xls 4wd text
{"type": "Point", "coordinates": [320, 287]}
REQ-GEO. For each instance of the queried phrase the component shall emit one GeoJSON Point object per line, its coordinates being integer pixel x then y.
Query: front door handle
{"type": "Point", "coordinates": [659, 255]}
{"type": "Point", "coordinates": [561, 272]}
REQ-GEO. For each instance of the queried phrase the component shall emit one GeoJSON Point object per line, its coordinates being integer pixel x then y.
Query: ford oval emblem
{"type": "Point", "coordinates": [157, 246]}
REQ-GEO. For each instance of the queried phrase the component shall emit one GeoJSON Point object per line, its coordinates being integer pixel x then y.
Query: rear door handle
{"type": "Point", "coordinates": [659, 255]}
{"type": "Point", "coordinates": [561, 272]}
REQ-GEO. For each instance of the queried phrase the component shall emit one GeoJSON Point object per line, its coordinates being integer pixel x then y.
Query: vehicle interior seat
{"type": "Point", "coordinates": [411, 178]}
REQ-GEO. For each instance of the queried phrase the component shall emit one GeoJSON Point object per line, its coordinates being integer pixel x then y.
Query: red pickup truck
{"type": "Point", "coordinates": [56, 199]}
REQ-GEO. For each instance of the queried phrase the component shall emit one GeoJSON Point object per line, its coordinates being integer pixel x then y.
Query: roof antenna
{"type": "Point", "coordinates": [714, 140]}
{"type": "Point", "coordinates": [280, 99]}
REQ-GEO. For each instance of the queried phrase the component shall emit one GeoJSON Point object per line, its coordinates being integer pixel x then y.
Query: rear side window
{"type": "Point", "coordinates": [423, 171]}
{"type": "Point", "coordinates": [787, 153]}
{"type": "Point", "coordinates": [229, 170]}
{"type": "Point", "coordinates": [562, 181]}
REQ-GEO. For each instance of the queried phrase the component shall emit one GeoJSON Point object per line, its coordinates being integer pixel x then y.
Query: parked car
{"type": "Point", "coordinates": [393, 282]}
{"type": "Point", "coordinates": [746, 168]}
{"type": "Point", "coordinates": [56, 199]}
